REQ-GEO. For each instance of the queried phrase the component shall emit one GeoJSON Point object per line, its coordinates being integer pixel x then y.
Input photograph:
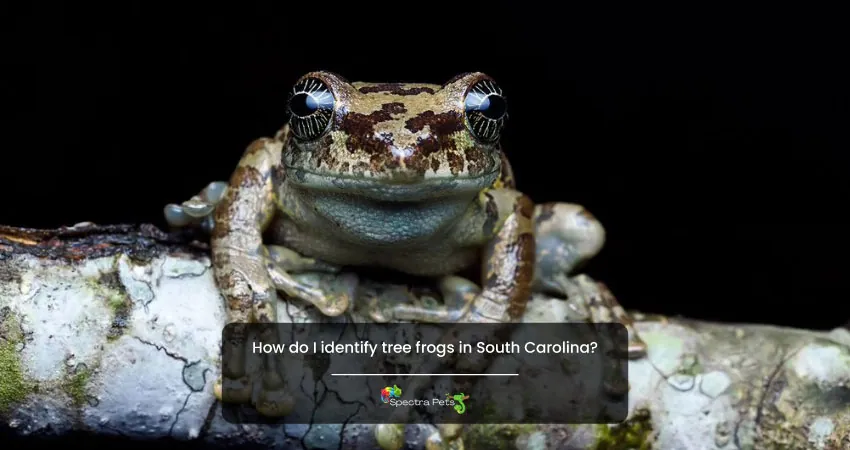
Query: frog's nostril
{"type": "Point", "coordinates": [401, 152]}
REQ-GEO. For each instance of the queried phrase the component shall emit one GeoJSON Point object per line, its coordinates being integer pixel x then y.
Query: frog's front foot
{"type": "Point", "coordinates": [332, 295]}
{"type": "Point", "coordinates": [566, 236]}
{"type": "Point", "coordinates": [197, 211]}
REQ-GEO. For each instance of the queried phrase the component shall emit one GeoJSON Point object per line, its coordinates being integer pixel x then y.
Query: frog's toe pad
{"type": "Point", "coordinates": [198, 208]}
{"type": "Point", "coordinates": [344, 290]}
{"type": "Point", "coordinates": [214, 192]}
{"type": "Point", "coordinates": [274, 403]}
{"type": "Point", "coordinates": [175, 216]}
{"type": "Point", "coordinates": [458, 291]}
{"type": "Point", "coordinates": [336, 291]}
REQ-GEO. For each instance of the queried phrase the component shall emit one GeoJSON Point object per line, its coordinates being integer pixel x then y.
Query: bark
{"type": "Point", "coordinates": [113, 331]}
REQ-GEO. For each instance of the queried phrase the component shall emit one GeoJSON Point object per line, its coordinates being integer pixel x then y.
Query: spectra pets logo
{"type": "Point", "coordinates": [460, 407]}
{"type": "Point", "coordinates": [390, 392]}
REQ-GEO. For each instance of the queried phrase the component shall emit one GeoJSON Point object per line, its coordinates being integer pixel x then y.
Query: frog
{"type": "Point", "coordinates": [404, 177]}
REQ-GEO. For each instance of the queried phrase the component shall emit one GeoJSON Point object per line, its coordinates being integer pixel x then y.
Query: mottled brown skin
{"type": "Point", "coordinates": [422, 196]}
{"type": "Point", "coordinates": [396, 176]}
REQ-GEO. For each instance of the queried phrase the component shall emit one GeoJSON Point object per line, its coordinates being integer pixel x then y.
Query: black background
{"type": "Point", "coordinates": [710, 143]}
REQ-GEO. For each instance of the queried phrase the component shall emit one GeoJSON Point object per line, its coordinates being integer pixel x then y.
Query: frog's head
{"type": "Point", "coordinates": [394, 142]}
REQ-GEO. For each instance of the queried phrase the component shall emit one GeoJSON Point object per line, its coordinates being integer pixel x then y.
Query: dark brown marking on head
{"type": "Point", "coordinates": [428, 145]}
{"type": "Point", "coordinates": [492, 212]}
{"type": "Point", "coordinates": [396, 89]}
{"type": "Point", "coordinates": [443, 124]}
{"type": "Point", "coordinates": [360, 129]}
{"type": "Point", "coordinates": [476, 160]}
{"type": "Point", "coordinates": [455, 162]}
{"type": "Point", "coordinates": [394, 108]}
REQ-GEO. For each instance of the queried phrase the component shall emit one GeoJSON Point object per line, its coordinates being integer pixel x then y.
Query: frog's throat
{"type": "Point", "coordinates": [392, 190]}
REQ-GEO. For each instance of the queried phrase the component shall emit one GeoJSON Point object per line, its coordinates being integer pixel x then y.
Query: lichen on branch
{"type": "Point", "coordinates": [115, 331]}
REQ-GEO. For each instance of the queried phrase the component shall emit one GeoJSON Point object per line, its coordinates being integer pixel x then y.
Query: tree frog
{"type": "Point", "coordinates": [405, 177]}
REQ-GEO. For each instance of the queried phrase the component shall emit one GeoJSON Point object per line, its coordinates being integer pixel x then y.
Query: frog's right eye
{"type": "Point", "coordinates": [311, 108]}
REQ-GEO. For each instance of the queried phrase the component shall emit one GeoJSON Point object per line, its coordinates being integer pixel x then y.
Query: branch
{"type": "Point", "coordinates": [115, 330]}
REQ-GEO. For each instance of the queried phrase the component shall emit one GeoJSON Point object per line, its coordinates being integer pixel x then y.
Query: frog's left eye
{"type": "Point", "coordinates": [311, 108]}
{"type": "Point", "coordinates": [486, 110]}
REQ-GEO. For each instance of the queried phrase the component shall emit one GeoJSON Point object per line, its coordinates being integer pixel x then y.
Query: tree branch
{"type": "Point", "coordinates": [115, 330]}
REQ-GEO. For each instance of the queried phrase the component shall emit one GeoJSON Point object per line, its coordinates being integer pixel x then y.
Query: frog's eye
{"type": "Point", "coordinates": [311, 108]}
{"type": "Point", "coordinates": [486, 110]}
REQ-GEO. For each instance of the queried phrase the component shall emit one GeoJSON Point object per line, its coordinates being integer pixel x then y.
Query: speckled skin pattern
{"type": "Point", "coordinates": [405, 177]}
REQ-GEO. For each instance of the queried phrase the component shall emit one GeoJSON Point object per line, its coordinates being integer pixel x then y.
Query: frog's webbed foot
{"type": "Point", "coordinates": [463, 300]}
{"type": "Point", "coordinates": [566, 236]}
{"type": "Point", "coordinates": [197, 211]}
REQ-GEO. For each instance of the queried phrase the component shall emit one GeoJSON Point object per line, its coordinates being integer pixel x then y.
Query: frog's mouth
{"type": "Point", "coordinates": [399, 189]}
